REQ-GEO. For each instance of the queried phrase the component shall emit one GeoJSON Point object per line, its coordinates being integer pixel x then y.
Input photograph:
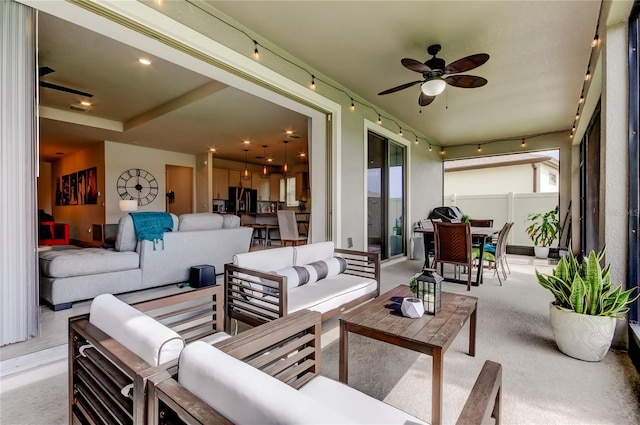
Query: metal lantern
{"type": "Point", "coordinates": [430, 290]}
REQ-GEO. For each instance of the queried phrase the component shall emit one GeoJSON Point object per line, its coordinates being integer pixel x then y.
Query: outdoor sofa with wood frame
{"type": "Point", "coordinates": [266, 284]}
{"type": "Point", "coordinates": [107, 379]}
{"type": "Point", "coordinates": [271, 374]}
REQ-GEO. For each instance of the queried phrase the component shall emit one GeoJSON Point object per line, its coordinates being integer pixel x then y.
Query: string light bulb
{"type": "Point", "coordinates": [313, 82]}
{"type": "Point", "coordinates": [581, 99]}
{"type": "Point", "coordinates": [594, 42]}
{"type": "Point", "coordinates": [400, 133]}
{"type": "Point", "coordinates": [256, 53]}
{"type": "Point", "coordinates": [416, 142]}
{"type": "Point", "coordinates": [577, 116]}
{"type": "Point", "coordinates": [353, 105]}
{"type": "Point", "coordinates": [587, 77]}
{"type": "Point", "coordinates": [523, 144]}
{"type": "Point", "coordinates": [479, 148]}
{"type": "Point", "coordinates": [442, 150]}
{"type": "Point", "coordinates": [430, 148]}
{"type": "Point", "coordinates": [379, 119]}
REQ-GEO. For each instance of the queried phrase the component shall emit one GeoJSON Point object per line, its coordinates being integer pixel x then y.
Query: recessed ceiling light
{"type": "Point", "coordinates": [85, 103]}
{"type": "Point", "coordinates": [289, 131]}
{"type": "Point", "coordinates": [144, 61]}
{"type": "Point", "coordinates": [269, 159]}
{"type": "Point", "coordinates": [246, 142]}
{"type": "Point", "coordinates": [212, 149]}
{"type": "Point", "coordinates": [302, 155]}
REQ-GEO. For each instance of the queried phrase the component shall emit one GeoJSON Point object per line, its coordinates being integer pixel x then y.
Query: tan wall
{"type": "Point", "coordinates": [45, 198]}
{"type": "Point", "coordinates": [80, 217]}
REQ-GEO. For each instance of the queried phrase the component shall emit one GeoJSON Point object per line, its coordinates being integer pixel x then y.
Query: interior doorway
{"type": "Point", "coordinates": [179, 183]}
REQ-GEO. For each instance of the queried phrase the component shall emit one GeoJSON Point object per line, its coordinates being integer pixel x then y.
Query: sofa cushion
{"type": "Point", "coordinates": [266, 260]}
{"type": "Point", "coordinates": [86, 261]}
{"type": "Point", "coordinates": [357, 406]}
{"type": "Point", "coordinates": [246, 395]}
{"type": "Point", "coordinates": [230, 221]}
{"type": "Point", "coordinates": [330, 293]}
{"type": "Point", "coordinates": [126, 240]}
{"type": "Point", "coordinates": [144, 336]}
{"type": "Point", "coordinates": [200, 221]}
{"type": "Point", "coordinates": [306, 254]}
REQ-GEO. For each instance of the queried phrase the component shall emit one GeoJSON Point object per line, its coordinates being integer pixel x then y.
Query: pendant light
{"type": "Point", "coordinates": [285, 167]}
{"type": "Point", "coordinates": [265, 170]}
{"type": "Point", "coordinates": [246, 175]}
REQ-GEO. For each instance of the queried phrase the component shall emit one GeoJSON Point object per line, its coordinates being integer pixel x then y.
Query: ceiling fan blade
{"type": "Point", "coordinates": [424, 100]}
{"type": "Point", "coordinates": [64, 89]}
{"type": "Point", "coordinates": [466, 81]}
{"type": "Point", "coordinates": [400, 87]}
{"type": "Point", "coordinates": [414, 65]}
{"type": "Point", "coordinates": [466, 64]}
{"type": "Point", "coordinates": [45, 70]}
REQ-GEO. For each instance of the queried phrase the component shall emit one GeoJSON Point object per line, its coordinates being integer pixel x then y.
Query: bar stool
{"type": "Point", "coordinates": [268, 228]}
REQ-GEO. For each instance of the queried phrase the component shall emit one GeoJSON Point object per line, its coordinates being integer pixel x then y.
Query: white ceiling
{"type": "Point", "coordinates": [539, 53]}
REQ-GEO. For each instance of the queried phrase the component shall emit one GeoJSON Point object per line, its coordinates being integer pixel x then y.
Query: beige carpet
{"type": "Point", "coordinates": [540, 384]}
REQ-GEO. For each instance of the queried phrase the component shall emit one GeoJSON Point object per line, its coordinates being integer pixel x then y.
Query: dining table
{"type": "Point", "coordinates": [479, 236]}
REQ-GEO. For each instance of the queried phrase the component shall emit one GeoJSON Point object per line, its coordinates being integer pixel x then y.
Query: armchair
{"type": "Point", "coordinates": [51, 233]}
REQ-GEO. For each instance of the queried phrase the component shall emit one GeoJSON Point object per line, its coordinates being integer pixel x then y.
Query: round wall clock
{"type": "Point", "coordinates": [138, 184]}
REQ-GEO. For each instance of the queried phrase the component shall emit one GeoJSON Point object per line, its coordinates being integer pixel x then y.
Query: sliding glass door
{"type": "Point", "coordinates": [385, 197]}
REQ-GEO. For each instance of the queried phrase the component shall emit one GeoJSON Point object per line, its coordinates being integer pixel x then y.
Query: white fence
{"type": "Point", "coordinates": [503, 208]}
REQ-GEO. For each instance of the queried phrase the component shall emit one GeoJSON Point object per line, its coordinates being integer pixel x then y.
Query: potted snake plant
{"type": "Point", "coordinates": [543, 230]}
{"type": "Point", "coordinates": [586, 305]}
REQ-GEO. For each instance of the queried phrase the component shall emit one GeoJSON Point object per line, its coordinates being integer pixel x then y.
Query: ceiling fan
{"type": "Point", "coordinates": [45, 70]}
{"type": "Point", "coordinates": [436, 75]}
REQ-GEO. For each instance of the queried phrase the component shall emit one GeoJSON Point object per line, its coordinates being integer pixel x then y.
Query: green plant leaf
{"type": "Point", "coordinates": [577, 297]}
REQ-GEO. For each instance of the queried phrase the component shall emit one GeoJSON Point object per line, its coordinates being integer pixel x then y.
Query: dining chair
{"type": "Point", "coordinates": [288, 227]}
{"type": "Point", "coordinates": [453, 246]}
{"type": "Point", "coordinates": [476, 222]}
{"type": "Point", "coordinates": [497, 254]}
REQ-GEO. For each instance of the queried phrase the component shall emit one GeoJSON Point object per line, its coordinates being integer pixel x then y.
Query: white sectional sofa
{"type": "Point", "coordinates": [271, 374]}
{"type": "Point", "coordinates": [267, 284]}
{"type": "Point", "coordinates": [201, 238]}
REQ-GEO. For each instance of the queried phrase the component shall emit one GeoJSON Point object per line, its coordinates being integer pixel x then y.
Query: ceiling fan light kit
{"type": "Point", "coordinates": [433, 87]}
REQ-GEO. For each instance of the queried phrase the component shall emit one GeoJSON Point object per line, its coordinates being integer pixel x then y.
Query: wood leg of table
{"type": "Point", "coordinates": [343, 360]}
{"type": "Point", "coordinates": [436, 389]}
{"type": "Point", "coordinates": [472, 333]}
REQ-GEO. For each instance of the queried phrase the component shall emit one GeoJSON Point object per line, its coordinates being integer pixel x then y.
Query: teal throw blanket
{"type": "Point", "coordinates": [151, 225]}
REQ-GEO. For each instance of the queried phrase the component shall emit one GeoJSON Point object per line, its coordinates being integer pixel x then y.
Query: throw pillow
{"type": "Point", "coordinates": [326, 268]}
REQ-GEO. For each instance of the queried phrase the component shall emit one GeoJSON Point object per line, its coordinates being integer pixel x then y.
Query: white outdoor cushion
{"type": "Point", "coordinates": [306, 254]}
{"type": "Point", "coordinates": [358, 407]}
{"type": "Point", "coordinates": [144, 336]}
{"type": "Point", "coordinates": [330, 293]}
{"type": "Point", "coordinates": [266, 260]}
{"type": "Point", "coordinates": [246, 395]}
{"type": "Point", "coordinates": [200, 221]}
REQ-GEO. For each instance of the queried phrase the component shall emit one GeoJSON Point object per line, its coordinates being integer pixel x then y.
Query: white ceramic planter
{"type": "Point", "coordinates": [412, 307]}
{"type": "Point", "coordinates": [541, 251]}
{"type": "Point", "coordinates": [582, 336]}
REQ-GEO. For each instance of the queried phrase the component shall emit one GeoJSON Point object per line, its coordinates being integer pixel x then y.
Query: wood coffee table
{"type": "Point", "coordinates": [381, 319]}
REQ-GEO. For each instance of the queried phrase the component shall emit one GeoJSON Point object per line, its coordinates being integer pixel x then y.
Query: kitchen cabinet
{"type": "Point", "coordinates": [234, 178]}
{"type": "Point", "coordinates": [262, 186]}
{"type": "Point", "coordinates": [302, 186]}
{"type": "Point", "coordinates": [274, 187]}
{"type": "Point", "coordinates": [220, 184]}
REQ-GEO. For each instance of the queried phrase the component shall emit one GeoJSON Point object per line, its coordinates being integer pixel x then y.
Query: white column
{"type": "Point", "coordinates": [18, 169]}
{"type": "Point", "coordinates": [614, 159]}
